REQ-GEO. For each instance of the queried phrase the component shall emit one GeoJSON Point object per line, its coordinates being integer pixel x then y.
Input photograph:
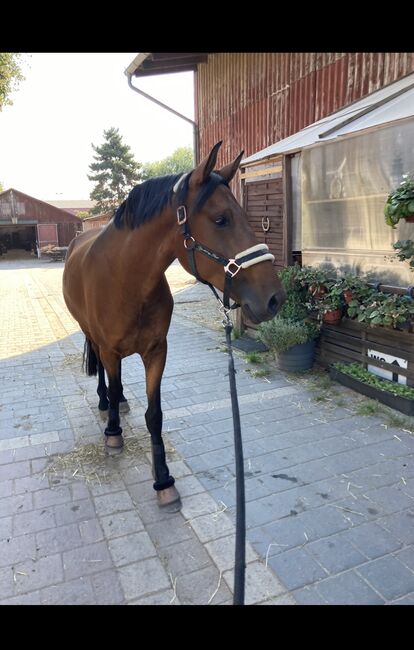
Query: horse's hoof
{"type": "Point", "coordinates": [124, 407]}
{"type": "Point", "coordinates": [169, 499]}
{"type": "Point", "coordinates": [114, 444]}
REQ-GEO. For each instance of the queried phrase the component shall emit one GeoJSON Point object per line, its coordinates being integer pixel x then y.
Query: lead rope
{"type": "Point", "coordinates": [246, 258]}
{"type": "Point", "coordinates": [240, 550]}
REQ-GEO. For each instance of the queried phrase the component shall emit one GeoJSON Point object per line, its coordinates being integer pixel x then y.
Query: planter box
{"type": "Point", "coordinates": [402, 404]}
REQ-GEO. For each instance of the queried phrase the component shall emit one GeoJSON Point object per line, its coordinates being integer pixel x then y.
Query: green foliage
{"type": "Point", "coordinates": [405, 251]}
{"type": "Point", "coordinates": [294, 308]}
{"type": "Point", "coordinates": [115, 172]}
{"type": "Point", "coordinates": [253, 357]}
{"type": "Point", "coordinates": [360, 373]}
{"type": "Point", "coordinates": [1, 187]}
{"type": "Point", "coordinates": [400, 202]}
{"type": "Point", "coordinates": [180, 161]}
{"type": "Point", "coordinates": [84, 214]}
{"type": "Point", "coordinates": [280, 334]}
{"type": "Point", "coordinates": [387, 310]}
{"type": "Point", "coordinates": [10, 76]}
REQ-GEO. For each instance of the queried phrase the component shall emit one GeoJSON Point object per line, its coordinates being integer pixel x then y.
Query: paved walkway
{"type": "Point", "coordinates": [330, 493]}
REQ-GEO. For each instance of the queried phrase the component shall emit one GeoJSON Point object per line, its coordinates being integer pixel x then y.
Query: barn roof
{"type": "Point", "coordinates": [150, 63]}
{"type": "Point", "coordinates": [50, 208]}
{"type": "Point", "coordinates": [391, 103]}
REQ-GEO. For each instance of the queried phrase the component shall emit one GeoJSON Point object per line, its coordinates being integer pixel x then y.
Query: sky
{"type": "Point", "coordinates": [65, 104]}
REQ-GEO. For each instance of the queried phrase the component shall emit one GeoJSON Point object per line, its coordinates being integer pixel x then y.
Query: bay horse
{"type": "Point", "coordinates": [114, 284]}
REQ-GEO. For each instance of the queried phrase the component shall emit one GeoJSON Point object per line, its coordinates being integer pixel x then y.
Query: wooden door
{"type": "Point", "coordinates": [263, 202]}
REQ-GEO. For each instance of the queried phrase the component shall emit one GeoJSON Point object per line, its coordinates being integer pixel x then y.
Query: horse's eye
{"type": "Point", "coordinates": [222, 221]}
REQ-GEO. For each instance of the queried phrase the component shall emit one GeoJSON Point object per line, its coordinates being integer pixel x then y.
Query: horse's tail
{"type": "Point", "coordinates": [90, 360]}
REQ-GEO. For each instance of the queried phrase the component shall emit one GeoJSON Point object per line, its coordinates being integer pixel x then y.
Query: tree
{"type": "Point", "coordinates": [1, 187]}
{"type": "Point", "coordinates": [179, 161]}
{"type": "Point", "coordinates": [10, 76]}
{"type": "Point", "coordinates": [115, 172]}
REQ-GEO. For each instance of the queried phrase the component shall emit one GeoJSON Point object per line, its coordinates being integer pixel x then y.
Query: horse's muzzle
{"type": "Point", "coordinates": [257, 313]}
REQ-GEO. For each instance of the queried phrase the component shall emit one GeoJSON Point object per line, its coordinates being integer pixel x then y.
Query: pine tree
{"type": "Point", "coordinates": [115, 172]}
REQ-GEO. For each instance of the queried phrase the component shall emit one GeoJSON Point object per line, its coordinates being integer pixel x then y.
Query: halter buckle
{"type": "Point", "coordinates": [190, 246]}
{"type": "Point", "coordinates": [229, 271]}
{"type": "Point", "coordinates": [181, 215]}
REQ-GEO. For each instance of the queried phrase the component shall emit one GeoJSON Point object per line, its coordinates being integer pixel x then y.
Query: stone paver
{"type": "Point", "coordinates": [330, 493]}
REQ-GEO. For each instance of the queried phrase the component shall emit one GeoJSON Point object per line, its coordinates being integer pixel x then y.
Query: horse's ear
{"type": "Point", "coordinates": [204, 169]}
{"type": "Point", "coordinates": [229, 170]}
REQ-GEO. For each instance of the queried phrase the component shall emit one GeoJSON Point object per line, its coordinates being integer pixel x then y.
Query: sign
{"type": "Point", "coordinates": [388, 374]}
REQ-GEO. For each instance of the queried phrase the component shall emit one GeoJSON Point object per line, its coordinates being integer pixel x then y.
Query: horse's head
{"type": "Point", "coordinates": [210, 218]}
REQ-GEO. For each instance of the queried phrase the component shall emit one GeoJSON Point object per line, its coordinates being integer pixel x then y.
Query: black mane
{"type": "Point", "coordinates": [148, 199]}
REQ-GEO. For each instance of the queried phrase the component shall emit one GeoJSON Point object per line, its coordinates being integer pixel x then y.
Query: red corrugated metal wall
{"type": "Point", "coordinates": [252, 100]}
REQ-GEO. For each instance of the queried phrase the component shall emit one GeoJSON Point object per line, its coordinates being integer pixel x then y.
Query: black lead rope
{"type": "Point", "coordinates": [240, 555]}
{"type": "Point", "coordinates": [191, 246]}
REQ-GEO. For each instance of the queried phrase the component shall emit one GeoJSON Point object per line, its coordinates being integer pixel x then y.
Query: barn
{"type": "Point", "coordinates": [27, 222]}
{"type": "Point", "coordinates": [97, 221]}
{"type": "Point", "coordinates": [326, 137]}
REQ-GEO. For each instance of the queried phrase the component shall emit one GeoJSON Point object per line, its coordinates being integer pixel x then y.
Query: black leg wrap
{"type": "Point", "coordinates": [163, 485]}
{"type": "Point", "coordinates": [113, 433]}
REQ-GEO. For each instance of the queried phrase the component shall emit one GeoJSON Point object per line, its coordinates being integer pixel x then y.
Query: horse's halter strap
{"type": "Point", "coordinates": [244, 259]}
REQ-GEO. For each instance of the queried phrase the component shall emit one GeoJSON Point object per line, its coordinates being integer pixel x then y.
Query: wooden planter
{"type": "Point", "coordinates": [350, 341]}
{"type": "Point", "coordinates": [402, 404]}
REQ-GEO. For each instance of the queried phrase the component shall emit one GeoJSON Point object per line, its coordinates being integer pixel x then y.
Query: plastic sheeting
{"type": "Point", "coordinates": [345, 185]}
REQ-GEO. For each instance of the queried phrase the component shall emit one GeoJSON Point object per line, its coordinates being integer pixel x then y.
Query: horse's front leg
{"type": "Point", "coordinates": [154, 362]}
{"type": "Point", "coordinates": [113, 431]}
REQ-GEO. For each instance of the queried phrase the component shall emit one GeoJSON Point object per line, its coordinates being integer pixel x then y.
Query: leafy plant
{"type": "Point", "coordinates": [400, 202]}
{"type": "Point", "coordinates": [358, 372]}
{"type": "Point", "coordinates": [294, 307]}
{"type": "Point", "coordinates": [405, 251]}
{"type": "Point", "coordinates": [388, 310]}
{"type": "Point", "coordinates": [280, 334]}
{"type": "Point", "coordinates": [315, 280]}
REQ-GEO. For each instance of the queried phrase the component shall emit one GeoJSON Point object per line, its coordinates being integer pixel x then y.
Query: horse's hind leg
{"type": "Point", "coordinates": [167, 494]}
{"type": "Point", "coordinates": [113, 431]}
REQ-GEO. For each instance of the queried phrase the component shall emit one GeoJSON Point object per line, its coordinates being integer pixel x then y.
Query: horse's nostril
{"type": "Point", "coordinates": [273, 305]}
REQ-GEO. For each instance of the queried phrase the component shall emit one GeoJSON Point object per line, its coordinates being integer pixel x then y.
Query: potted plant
{"type": "Point", "coordinates": [387, 310]}
{"type": "Point", "coordinates": [316, 281]}
{"type": "Point", "coordinates": [291, 342]}
{"type": "Point", "coordinates": [405, 251]}
{"type": "Point", "coordinates": [354, 288]}
{"type": "Point", "coordinates": [330, 305]}
{"type": "Point", "coordinates": [400, 202]}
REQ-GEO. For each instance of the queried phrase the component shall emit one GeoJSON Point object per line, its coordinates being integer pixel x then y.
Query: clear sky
{"type": "Point", "coordinates": [65, 104]}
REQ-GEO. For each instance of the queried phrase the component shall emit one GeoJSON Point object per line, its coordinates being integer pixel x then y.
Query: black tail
{"type": "Point", "coordinates": [90, 360]}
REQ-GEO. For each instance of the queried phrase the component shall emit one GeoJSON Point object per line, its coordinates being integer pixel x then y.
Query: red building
{"type": "Point", "coordinates": [26, 222]}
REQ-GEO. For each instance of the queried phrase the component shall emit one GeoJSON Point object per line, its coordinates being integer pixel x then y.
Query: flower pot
{"type": "Point", "coordinates": [333, 317]}
{"type": "Point", "coordinates": [298, 357]}
{"type": "Point", "coordinates": [348, 296]}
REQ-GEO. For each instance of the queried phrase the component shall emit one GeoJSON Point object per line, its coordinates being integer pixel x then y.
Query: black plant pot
{"type": "Point", "coordinates": [298, 357]}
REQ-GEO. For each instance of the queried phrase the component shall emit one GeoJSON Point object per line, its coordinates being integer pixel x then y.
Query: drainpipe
{"type": "Point", "coordinates": [168, 108]}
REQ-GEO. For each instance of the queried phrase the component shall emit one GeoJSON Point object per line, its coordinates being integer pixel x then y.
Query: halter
{"type": "Point", "coordinates": [242, 260]}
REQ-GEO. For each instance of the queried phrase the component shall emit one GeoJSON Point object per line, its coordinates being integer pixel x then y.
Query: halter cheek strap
{"type": "Point", "coordinates": [244, 259]}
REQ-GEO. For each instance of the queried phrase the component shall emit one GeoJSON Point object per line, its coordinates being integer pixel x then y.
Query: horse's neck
{"type": "Point", "coordinates": [147, 251]}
